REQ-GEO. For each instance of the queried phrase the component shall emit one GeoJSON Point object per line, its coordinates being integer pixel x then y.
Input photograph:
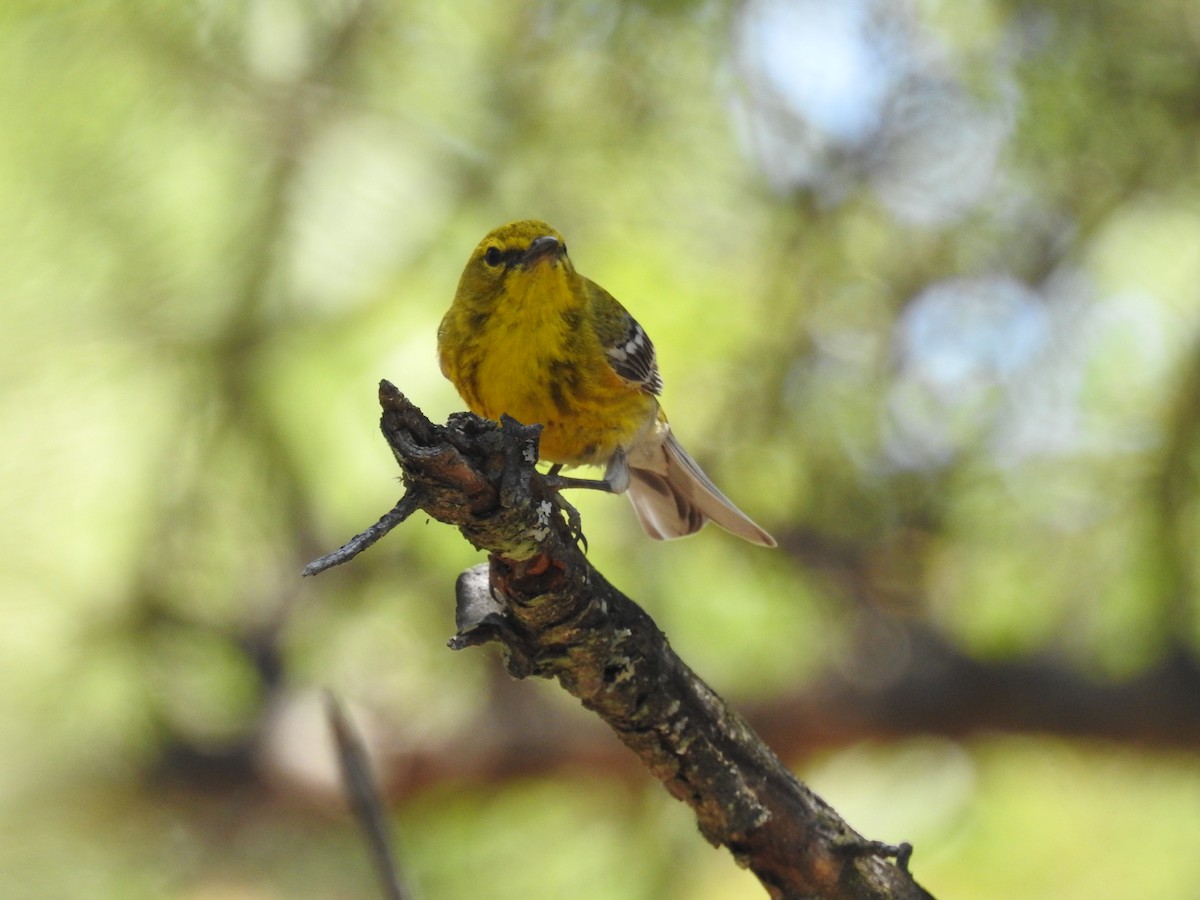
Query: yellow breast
{"type": "Point", "coordinates": [542, 364]}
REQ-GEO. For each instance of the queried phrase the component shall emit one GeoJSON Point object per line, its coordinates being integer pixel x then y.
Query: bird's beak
{"type": "Point", "coordinates": [543, 247]}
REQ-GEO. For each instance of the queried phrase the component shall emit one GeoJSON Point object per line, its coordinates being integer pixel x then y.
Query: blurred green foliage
{"type": "Point", "coordinates": [923, 279]}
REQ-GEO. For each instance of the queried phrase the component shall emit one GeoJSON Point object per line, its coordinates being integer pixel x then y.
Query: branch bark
{"type": "Point", "coordinates": [555, 616]}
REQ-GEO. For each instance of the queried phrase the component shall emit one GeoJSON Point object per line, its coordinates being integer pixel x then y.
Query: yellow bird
{"type": "Point", "coordinates": [529, 336]}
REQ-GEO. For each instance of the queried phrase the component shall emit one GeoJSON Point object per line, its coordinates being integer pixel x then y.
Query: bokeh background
{"type": "Point", "coordinates": [924, 281]}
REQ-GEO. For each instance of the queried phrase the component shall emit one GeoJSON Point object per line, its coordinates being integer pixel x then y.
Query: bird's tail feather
{"type": "Point", "coordinates": [676, 498]}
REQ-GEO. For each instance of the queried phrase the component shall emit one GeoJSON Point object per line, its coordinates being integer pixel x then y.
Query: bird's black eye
{"type": "Point", "coordinates": [492, 256]}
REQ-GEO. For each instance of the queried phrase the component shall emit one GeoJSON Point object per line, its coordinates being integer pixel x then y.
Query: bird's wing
{"type": "Point", "coordinates": [629, 349]}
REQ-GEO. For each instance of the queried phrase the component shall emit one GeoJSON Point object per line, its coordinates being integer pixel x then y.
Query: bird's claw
{"type": "Point", "coordinates": [574, 520]}
{"type": "Point", "coordinates": [557, 483]}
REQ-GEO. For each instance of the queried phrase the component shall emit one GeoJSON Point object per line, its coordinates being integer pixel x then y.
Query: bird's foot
{"type": "Point", "coordinates": [557, 483]}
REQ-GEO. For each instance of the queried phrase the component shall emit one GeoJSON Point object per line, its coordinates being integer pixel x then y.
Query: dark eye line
{"type": "Point", "coordinates": [496, 257]}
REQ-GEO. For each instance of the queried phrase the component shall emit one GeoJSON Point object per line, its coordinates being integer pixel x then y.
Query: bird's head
{"type": "Point", "coordinates": [511, 258]}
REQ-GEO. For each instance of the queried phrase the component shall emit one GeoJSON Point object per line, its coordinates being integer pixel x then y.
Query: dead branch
{"type": "Point", "coordinates": [555, 616]}
{"type": "Point", "coordinates": [362, 793]}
